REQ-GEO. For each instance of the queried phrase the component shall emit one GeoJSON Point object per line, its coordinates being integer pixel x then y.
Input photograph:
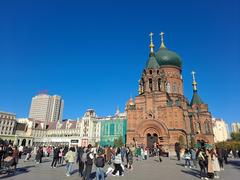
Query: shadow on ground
{"type": "Point", "coordinates": [18, 171]}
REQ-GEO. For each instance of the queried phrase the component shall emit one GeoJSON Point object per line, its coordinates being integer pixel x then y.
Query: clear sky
{"type": "Point", "coordinates": [92, 53]}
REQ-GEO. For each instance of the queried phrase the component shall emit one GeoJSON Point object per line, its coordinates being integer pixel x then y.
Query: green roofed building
{"type": "Point", "coordinates": [113, 129]}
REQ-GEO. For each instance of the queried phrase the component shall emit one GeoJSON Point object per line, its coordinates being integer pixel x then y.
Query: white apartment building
{"type": "Point", "coordinates": [236, 127]}
{"type": "Point", "coordinates": [46, 108]}
{"type": "Point", "coordinates": [220, 130]}
{"type": "Point", "coordinates": [7, 123]}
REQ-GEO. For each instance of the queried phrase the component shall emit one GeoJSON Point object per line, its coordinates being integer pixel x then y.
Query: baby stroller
{"type": "Point", "coordinates": [8, 164]}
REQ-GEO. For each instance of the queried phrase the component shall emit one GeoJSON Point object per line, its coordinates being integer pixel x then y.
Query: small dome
{"type": "Point", "coordinates": [152, 62]}
{"type": "Point", "coordinates": [167, 57]}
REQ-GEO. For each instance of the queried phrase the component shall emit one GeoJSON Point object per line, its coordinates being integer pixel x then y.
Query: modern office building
{"type": "Point", "coordinates": [220, 130]}
{"type": "Point", "coordinates": [46, 108]}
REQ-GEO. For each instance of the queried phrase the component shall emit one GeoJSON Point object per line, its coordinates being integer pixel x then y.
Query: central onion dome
{"type": "Point", "coordinates": [167, 57]}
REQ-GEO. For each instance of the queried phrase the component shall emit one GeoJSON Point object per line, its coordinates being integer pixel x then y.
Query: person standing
{"type": "Point", "coordinates": [20, 149]}
{"type": "Point", "coordinates": [70, 158]}
{"type": "Point", "coordinates": [215, 163]}
{"type": "Point", "coordinates": [15, 156]}
{"type": "Point", "coordinates": [108, 155]}
{"type": "Point", "coordinates": [39, 155]}
{"type": "Point", "coordinates": [210, 168]}
{"type": "Point", "coordinates": [56, 152]}
{"type": "Point", "coordinates": [177, 150]}
{"type": "Point", "coordinates": [89, 163]}
{"type": "Point", "coordinates": [159, 153]}
{"type": "Point", "coordinates": [117, 163]}
{"type": "Point", "coordinates": [220, 157]}
{"type": "Point", "coordinates": [193, 157]}
{"type": "Point", "coordinates": [100, 163]}
{"type": "Point", "coordinates": [1, 155]}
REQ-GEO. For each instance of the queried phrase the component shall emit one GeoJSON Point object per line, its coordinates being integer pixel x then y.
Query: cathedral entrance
{"type": "Point", "coordinates": [151, 140]}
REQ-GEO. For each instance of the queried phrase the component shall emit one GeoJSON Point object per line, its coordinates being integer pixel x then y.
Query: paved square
{"type": "Point", "coordinates": [150, 169]}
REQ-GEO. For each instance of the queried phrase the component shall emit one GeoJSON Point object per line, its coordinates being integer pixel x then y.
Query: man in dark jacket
{"type": "Point", "coordinates": [56, 152]}
{"type": "Point", "coordinates": [88, 163]}
{"type": "Point", "coordinates": [177, 150]}
{"type": "Point", "coordinates": [100, 163]}
{"type": "Point", "coordinates": [80, 162]}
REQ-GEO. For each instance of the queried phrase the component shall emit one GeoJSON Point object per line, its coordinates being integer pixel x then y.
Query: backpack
{"type": "Point", "coordinates": [89, 160]}
{"type": "Point", "coordinates": [84, 157]}
{"type": "Point", "coordinates": [99, 162]}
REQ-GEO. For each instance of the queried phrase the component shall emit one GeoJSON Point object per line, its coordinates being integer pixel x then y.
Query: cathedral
{"type": "Point", "coordinates": [160, 113]}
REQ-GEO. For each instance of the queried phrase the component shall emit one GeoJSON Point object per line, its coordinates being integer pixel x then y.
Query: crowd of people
{"type": "Point", "coordinates": [114, 161]}
{"type": "Point", "coordinates": [210, 160]}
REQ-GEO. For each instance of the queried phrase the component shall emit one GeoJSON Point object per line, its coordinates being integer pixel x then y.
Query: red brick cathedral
{"type": "Point", "coordinates": [161, 113]}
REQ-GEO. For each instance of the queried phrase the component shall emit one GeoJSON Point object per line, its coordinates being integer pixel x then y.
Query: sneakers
{"type": "Point", "coordinates": [113, 174]}
{"type": "Point", "coordinates": [122, 175]}
{"type": "Point", "coordinates": [202, 177]}
{"type": "Point", "coordinates": [67, 174]}
{"type": "Point", "coordinates": [206, 178]}
{"type": "Point", "coordinates": [217, 177]}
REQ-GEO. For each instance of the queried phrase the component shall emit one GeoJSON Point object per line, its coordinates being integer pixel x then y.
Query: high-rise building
{"type": "Point", "coordinates": [220, 130]}
{"type": "Point", "coordinates": [236, 127]}
{"type": "Point", "coordinates": [46, 108]}
{"type": "Point", "coordinates": [161, 113]}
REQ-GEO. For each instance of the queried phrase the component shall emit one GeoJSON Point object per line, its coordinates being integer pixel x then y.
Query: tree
{"type": "Point", "coordinates": [193, 142]}
{"type": "Point", "coordinates": [118, 142]}
{"type": "Point", "coordinates": [235, 136]}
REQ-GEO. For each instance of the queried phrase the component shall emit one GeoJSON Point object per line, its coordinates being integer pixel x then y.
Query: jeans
{"type": "Point", "coordinates": [187, 162]}
{"type": "Point", "coordinates": [203, 171]}
{"type": "Point", "coordinates": [69, 167]}
{"type": "Point", "coordinates": [100, 172]}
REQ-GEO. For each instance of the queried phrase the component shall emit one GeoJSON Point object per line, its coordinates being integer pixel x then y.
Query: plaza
{"type": "Point", "coordinates": [150, 169]}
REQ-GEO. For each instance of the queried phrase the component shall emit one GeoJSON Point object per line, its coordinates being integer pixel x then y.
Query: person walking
{"type": "Point", "coordinates": [187, 157]}
{"type": "Point", "coordinates": [215, 163]}
{"type": "Point", "coordinates": [70, 158]}
{"type": "Point", "coordinates": [130, 159]}
{"type": "Point", "coordinates": [193, 157]}
{"type": "Point", "coordinates": [100, 163]}
{"type": "Point", "coordinates": [117, 163]}
{"type": "Point", "coordinates": [201, 155]}
{"type": "Point", "coordinates": [80, 160]}
{"type": "Point", "coordinates": [88, 163]}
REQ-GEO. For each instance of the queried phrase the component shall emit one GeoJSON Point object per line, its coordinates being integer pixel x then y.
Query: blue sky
{"type": "Point", "coordinates": [92, 53]}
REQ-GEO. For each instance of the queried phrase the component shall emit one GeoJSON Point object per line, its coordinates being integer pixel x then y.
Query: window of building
{"type": "Point", "coordinates": [168, 87]}
{"type": "Point", "coordinates": [150, 85]}
{"type": "Point", "coordinates": [174, 87]}
{"type": "Point", "coordinates": [150, 71]}
{"type": "Point", "coordinates": [159, 84]}
{"type": "Point", "coordinates": [207, 128]}
{"type": "Point", "coordinates": [198, 127]}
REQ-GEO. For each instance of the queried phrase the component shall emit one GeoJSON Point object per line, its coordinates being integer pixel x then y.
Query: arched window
{"type": "Point", "coordinates": [174, 87]}
{"type": "Point", "coordinates": [168, 87]}
{"type": "Point", "coordinates": [159, 84]}
{"type": "Point", "coordinates": [207, 128]}
{"type": "Point", "coordinates": [150, 71]}
{"type": "Point", "coordinates": [150, 85]}
{"type": "Point", "coordinates": [197, 127]}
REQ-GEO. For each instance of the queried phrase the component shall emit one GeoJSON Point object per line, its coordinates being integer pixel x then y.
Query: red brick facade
{"type": "Point", "coordinates": [162, 112]}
